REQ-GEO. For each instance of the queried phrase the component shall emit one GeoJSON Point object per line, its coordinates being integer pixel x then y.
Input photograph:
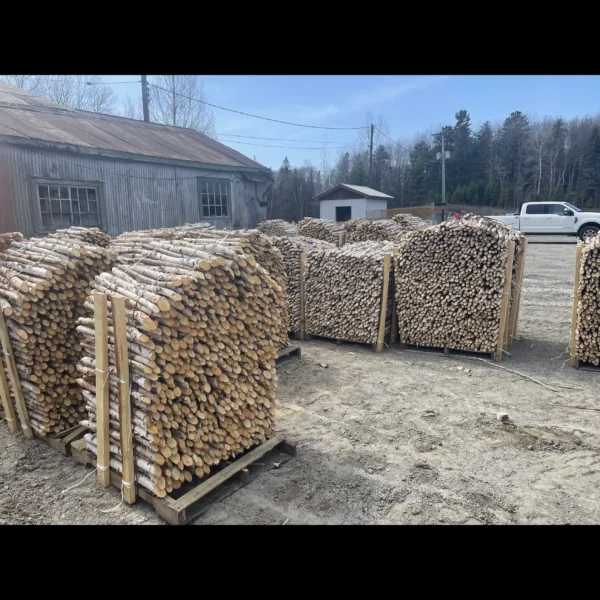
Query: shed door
{"type": "Point", "coordinates": [343, 213]}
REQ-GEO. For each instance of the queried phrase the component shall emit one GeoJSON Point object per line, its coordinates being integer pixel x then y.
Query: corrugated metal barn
{"type": "Point", "coordinates": [62, 167]}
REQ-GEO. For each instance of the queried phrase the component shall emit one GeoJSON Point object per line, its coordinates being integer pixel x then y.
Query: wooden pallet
{"type": "Point", "coordinates": [61, 442]}
{"type": "Point", "coordinates": [288, 354]}
{"type": "Point", "coordinates": [447, 351]}
{"type": "Point", "coordinates": [584, 366]}
{"type": "Point", "coordinates": [193, 499]}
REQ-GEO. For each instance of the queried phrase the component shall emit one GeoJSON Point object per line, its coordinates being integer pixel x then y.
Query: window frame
{"type": "Point", "coordinates": [221, 181]}
{"type": "Point", "coordinates": [541, 204]}
{"type": "Point", "coordinates": [70, 183]}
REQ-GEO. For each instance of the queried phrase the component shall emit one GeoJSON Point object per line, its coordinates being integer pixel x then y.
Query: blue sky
{"type": "Point", "coordinates": [410, 104]}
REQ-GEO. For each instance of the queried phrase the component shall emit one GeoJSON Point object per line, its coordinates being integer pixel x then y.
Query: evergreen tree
{"type": "Point", "coordinates": [342, 169]}
{"type": "Point", "coordinates": [590, 172]}
{"type": "Point", "coordinates": [359, 172]}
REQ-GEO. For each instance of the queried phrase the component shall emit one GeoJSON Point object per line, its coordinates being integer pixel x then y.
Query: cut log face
{"type": "Point", "coordinates": [203, 378]}
{"type": "Point", "coordinates": [291, 249]}
{"type": "Point", "coordinates": [587, 326]}
{"type": "Point", "coordinates": [321, 229]}
{"type": "Point", "coordinates": [45, 282]}
{"type": "Point", "coordinates": [409, 222]}
{"type": "Point", "coordinates": [343, 288]}
{"type": "Point", "coordinates": [449, 283]}
{"type": "Point", "coordinates": [7, 238]}
{"type": "Point", "coordinates": [278, 227]}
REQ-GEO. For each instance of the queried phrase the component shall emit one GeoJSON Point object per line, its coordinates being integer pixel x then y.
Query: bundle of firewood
{"type": "Point", "coordinates": [291, 249]}
{"type": "Point", "coordinates": [343, 291]}
{"type": "Point", "coordinates": [409, 222]}
{"type": "Point", "coordinates": [450, 281]}
{"type": "Point", "coordinates": [248, 241]}
{"type": "Point", "coordinates": [363, 230]}
{"type": "Point", "coordinates": [43, 283]}
{"type": "Point", "coordinates": [277, 227]}
{"type": "Point", "coordinates": [86, 235]}
{"type": "Point", "coordinates": [7, 238]}
{"type": "Point", "coordinates": [202, 318]}
{"type": "Point", "coordinates": [587, 325]}
{"type": "Point", "coordinates": [321, 229]}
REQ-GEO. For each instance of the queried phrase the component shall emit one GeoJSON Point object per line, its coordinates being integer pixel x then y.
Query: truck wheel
{"type": "Point", "coordinates": [588, 231]}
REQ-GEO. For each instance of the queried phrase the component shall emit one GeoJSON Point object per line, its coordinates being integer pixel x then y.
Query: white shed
{"type": "Point", "coordinates": [344, 202]}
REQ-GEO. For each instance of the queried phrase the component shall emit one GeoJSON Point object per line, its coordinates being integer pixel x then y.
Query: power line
{"type": "Point", "coordinates": [110, 82]}
{"type": "Point", "coordinates": [273, 146]}
{"type": "Point", "coordinates": [253, 137]}
{"type": "Point", "coordinates": [239, 112]}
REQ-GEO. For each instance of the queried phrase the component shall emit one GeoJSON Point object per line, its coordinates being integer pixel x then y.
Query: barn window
{"type": "Point", "coordinates": [66, 205]}
{"type": "Point", "coordinates": [214, 198]}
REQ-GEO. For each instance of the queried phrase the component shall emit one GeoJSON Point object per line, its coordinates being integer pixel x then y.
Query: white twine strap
{"type": "Point", "coordinates": [78, 484]}
{"type": "Point", "coordinates": [9, 420]}
{"type": "Point", "coordinates": [101, 371]}
{"type": "Point", "coordinates": [121, 381]}
{"type": "Point", "coordinates": [25, 428]}
{"type": "Point", "coordinates": [127, 484]}
{"type": "Point", "coordinates": [7, 353]}
{"type": "Point", "coordinates": [102, 469]}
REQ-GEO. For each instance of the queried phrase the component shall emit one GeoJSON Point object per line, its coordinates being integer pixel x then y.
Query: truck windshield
{"type": "Point", "coordinates": [573, 207]}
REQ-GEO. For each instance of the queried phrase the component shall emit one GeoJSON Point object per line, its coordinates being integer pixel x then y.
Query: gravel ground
{"type": "Point", "coordinates": [398, 437]}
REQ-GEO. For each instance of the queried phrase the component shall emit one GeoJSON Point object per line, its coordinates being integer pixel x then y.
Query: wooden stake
{"type": "Point", "coordinates": [574, 360]}
{"type": "Point", "coordinates": [14, 379]}
{"type": "Point", "coordinates": [394, 325]}
{"type": "Point", "coordinates": [118, 313]}
{"type": "Point", "coordinates": [384, 297]}
{"type": "Point", "coordinates": [9, 409]}
{"type": "Point", "coordinates": [303, 256]}
{"type": "Point", "coordinates": [514, 313]}
{"type": "Point", "coordinates": [102, 388]}
{"type": "Point", "coordinates": [505, 300]}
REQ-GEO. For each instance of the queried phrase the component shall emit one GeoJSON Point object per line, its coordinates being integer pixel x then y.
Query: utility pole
{"type": "Point", "coordinates": [145, 99]}
{"type": "Point", "coordinates": [371, 154]}
{"type": "Point", "coordinates": [443, 157]}
{"type": "Point", "coordinates": [174, 107]}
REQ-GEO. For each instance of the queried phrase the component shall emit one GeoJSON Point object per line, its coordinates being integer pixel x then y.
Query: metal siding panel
{"type": "Point", "coordinates": [359, 208]}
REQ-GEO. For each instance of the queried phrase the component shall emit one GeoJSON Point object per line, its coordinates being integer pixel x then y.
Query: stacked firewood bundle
{"type": "Point", "coordinates": [86, 235]}
{"type": "Point", "coordinates": [277, 227]}
{"type": "Point", "coordinates": [450, 281]}
{"type": "Point", "coordinates": [201, 322]}
{"type": "Point", "coordinates": [321, 229]}
{"type": "Point", "coordinates": [248, 241]}
{"type": "Point", "coordinates": [409, 222]}
{"type": "Point", "coordinates": [7, 238]}
{"type": "Point", "coordinates": [363, 230]}
{"type": "Point", "coordinates": [343, 291]}
{"type": "Point", "coordinates": [587, 325]}
{"type": "Point", "coordinates": [43, 284]}
{"type": "Point", "coordinates": [291, 249]}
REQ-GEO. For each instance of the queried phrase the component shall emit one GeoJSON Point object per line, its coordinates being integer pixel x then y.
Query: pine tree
{"type": "Point", "coordinates": [590, 172]}
{"type": "Point", "coordinates": [358, 171]}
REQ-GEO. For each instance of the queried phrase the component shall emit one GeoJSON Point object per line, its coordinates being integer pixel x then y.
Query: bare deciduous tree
{"type": "Point", "coordinates": [132, 109]}
{"type": "Point", "coordinates": [70, 90]}
{"type": "Point", "coordinates": [176, 100]}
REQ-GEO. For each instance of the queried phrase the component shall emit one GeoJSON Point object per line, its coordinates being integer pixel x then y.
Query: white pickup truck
{"type": "Point", "coordinates": [551, 218]}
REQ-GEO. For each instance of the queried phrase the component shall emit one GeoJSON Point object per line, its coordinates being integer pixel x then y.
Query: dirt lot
{"type": "Point", "coordinates": [399, 437]}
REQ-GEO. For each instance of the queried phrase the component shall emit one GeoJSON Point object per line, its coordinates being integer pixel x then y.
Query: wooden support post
{"type": "Point", "coordinates": [13, 374]}
{"type": "Point", "coordinates": [302, 332]}
{"type": "Point", "coordinates": [505, 300]}
{"type": "Point", "coordinates": [128, 476]}
{"type": "Point", "coordinates": [341, 239]}
{"type": "Point", "coordinates": [394, 329]}
{"type": "Point", "coordinates": [384, 296]}
{"type": "Point", "coordinates": [516, 305]}
{"type": "Point", "coordinates": [574, 359]}
{"type": "Point", "coordinates": [7, 404]}
{"type": "Point", "coordinates": [102, 388]}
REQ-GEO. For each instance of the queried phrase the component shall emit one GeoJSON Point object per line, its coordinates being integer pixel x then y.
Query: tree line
{"type": "Point", "coordinates": [502, 165]}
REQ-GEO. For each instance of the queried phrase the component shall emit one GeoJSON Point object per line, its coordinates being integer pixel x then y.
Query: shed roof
{"type": "Point", "coordinates": [365, 191]}
{"type": "Point", "coordinates": [28, 117]}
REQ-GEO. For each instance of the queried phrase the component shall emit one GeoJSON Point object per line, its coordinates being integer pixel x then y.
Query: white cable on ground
{"type": "Point", "coordinates": [78, 484]}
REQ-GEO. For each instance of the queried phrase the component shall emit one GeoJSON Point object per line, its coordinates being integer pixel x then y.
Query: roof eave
{"type": "Point", "coordinates": [127, 156]}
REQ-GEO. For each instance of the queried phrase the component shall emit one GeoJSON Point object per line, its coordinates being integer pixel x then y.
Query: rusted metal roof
{"type": "Point", "coordinates": [29, 117]}
{"type": "Point", "coordinates": [363, 190]}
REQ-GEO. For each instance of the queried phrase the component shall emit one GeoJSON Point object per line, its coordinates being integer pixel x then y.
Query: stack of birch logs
{"type": "Point", "coordinates": [43, 284]}
{"type": "Point", "coordinates": [202, 318]}
{"type": "Point", "coordinates": [409, 222]}
{"type": "Point", "coordinates": [7, 238]}
{"type": "Point", "coordinates": [248, 241]}
{"type": "Point", "coordinates": [277, 227]}
{"type": "Point", "coordinates": [86, 235]}
{"type": "Point", "coordinates": [450, 281]}
{"type": "Point", "coordinates": [380, 230]}
{"type": "Point", "coordinates": [291, 249]}
{"type": "Point", "coordinates": [587, 324]}
{"type": "Point", "coordinates": [343, 292]}
{"type": "Point", "coordinates": [321, 229]}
